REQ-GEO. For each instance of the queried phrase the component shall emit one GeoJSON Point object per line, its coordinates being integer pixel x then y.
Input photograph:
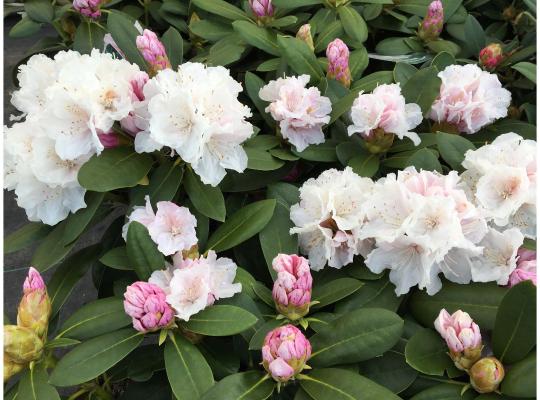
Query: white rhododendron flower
{"type": "Point", "coordinates": [329, 217]}
{"type": "Point", "coordinates": [300, 111]}
{"type": "Point", "coordinates": [195, 111]}
{"type": "Point", "coordinates": [501, 179]}
{"type": "Point", "coordinates": [385, 109]}
{"type": "Point", "coordinates": [171, 227]}
{"type": "Point", "coordinates": [193, 284]}
{"type": "Point", "coordinates": [499, 256]}
{"type": "Point", "coordinates": [469, 98]}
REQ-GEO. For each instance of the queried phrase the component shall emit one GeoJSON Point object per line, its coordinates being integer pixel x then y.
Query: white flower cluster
{"type": "Point", "coordinates": [195, 111]}
{"type": "Point", "coordinates": [193, 284]}
{"type": "Point", "coordinates": [67, 102]}
{"type": "Point", "coordinates": [419, 224]}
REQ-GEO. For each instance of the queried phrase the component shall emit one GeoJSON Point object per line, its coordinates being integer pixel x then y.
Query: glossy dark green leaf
{"type": "Point", "coordinates": [93, 357]}
{"type": "Point", "coordinates": [88, 36]}
{"type": "Point", "coordinates": [163, 186]}
{"type": "Point", "coordinates": [452, 148]}
{"type": "Point", "coordinates": [443, 60]}
{"type": "Point", "coordinates": [445, 391]}
{"type": "Point", "coordinates": [221, 8]}
{"type": "Point", "coordinates": [427, 352]}
{"type": "Point", "coordinates": [115, 168]}
{"type": "Point", "coordinates": [353, 23]}
{"type": "Point", "coordinates": [527, 69]}
{"type": "Point", "coordinates": [251, 385]}
{"type": "Point", "coordinates": [403, 72]}
{"type": "Point", "coordinates": [24, 236]}
{"type": "Point", "coordinates": [259, 37]}
{"type": "Point", "coordinates": [243, 224]}
{"type": "Point", "coordinates": [208, 200]}
{"type": "Point", "coordinates": [52, 249]}
{"type": "Point", "coordinates": [256, 342]}
{"type": "Point", "coordinates": [514, 334]}
{"type": "Point", "coordinates": [77, 223]}
{"type": "Point", "coordinates": [189, 374]}
{"type": "Point", "coordinates": [122, 29]}
{"type": "Point", "coordinates": [220, 320]}
{"type": "Point", "coordinates": [390, 371]}
{"type": "Point", "coordinates": [142, 252]}
{"type": "Point", "coordinates": [253, 85]}
{"type": "Point", "coordinates": [117, 258]}
{"type": "Point", "coordinates": [422, 88]}
{"type": "Point", "coordinates": [333, 291]}
{"type": "Point", "coordinates": [174, 46]}
{"type": "Point", "coordinates": [39, 10]}
{"type": "Point", "coordinates": [424, 159]}
{"type": "Point", "coordinates": [262, 160]}
{"type": "Point", "coordinates": [324, 152]}
{"type": "Point", "coordinates": [358, 62]}
{"type": "Point", "coordinates": [476, 38]}
{"type": "Point", "coordinates": [365, 165]}
{"type": "Point", "coordinates": [34, 385]}
{"type": "Point", "coordinates": [376, 293]}
{"type": "Point", "coordinates": [25, 27]}
{"type": "Point", "coordinates": [520, 379]}
{"type": "Point", "coordinates": [300, 57]}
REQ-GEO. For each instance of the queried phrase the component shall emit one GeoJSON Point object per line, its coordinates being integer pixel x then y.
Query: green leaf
{"type": "Point", "coordinates": [210, 30]}
{"type": "Point", "coordinates": [262, 160]}
{"type": "Point", "coordinates": [25, 236]}
{"type": "Point", "coordinates": [115, 168]}
{"type": "Point", "coordinates": [527, 69]}
{"type": "Point", "coordinates": [476, 38]}
{"type": "Point", "coordinates": [390, 371]}
{"type": "Point", "coordinates": [341, 384]}
{"type": "Point", "coordinates": [425, 159]}
{"type": "Point", "coordinates": [453, 148]}
{"type": "Point", "coordinates": [242, 225]}
{"type": "Point", "coordinates": [39, 10]}
{"type": "Point", "coordinates": [324, 152]}
{"type": "Point", "coordinates": [263, 293]}
{"type": "Point", "coordinates": [480, 300]}
{"type": "Point", "coordinates": [226, 51]}
{"type": "Point", "coordinates": [356, 336]}
{"type": "Point", "coordinates": [257, 340]}
{"type": "Point", "coordinates": [117, 258]}
{"type": "Point", "coordinates": [353, 23]}
{"type": "Point", "coordinates": [288, 4]}
{"type": "Point", "coordinates": [445, 391]}
{"type": "Point", "coordinates": [95, 318]}
{"type": "Point", "coordinates": [253, 85]}
{"type": "Point", "coordinates": [122, 29]}
{"type": "Point", "coordinates": [427, 352]}
{"type": "Point", "coordinates": [263, 142]}
{"type": "Point", "coordinates": [300, 57]}
{"type": "Point", "coordinates": [490, 132]}
{"type": "Point", "coordinates": [60, 343]}
{"type": "Point", "coordinates": [92, 358]}
{"type": "Point", "coordinates": [398, 46]}
{"type": "Point", "coordinates": [268, 65]}
{"type": "Point", "coordinates": [88, 36]}
{"type": "Point", "coordinates": [24, 28]}
{"type": "Point", "coordinates": [34, 385]}
{"type": "Point", "coordinates": [446, 46]}
{"type": "Point", "coordinates": [423, 88]}
{"type": "Point", "coordinates": [378, 293]}
{"type": "Point", "coordinates": [335, 290]}
{"type": "Point", "coordinates": [329, 32]}
{"type": "Point", "coordinates": [259, 37]}
{"type": "Point", "coordinates": [443, 60]}
{"type": "Point", "coordinates": [77, 223]}
{"type": "Point", "coordinates": [174, 46]}
{"type": "Point", "coordinates": [365, 165]}
{"type": "Point", "coordinates": [515, 325]}
{"type": "Point", "coordinates": [208, 200]}
{"type": "Point", "coordinates": [520, 379]}
{"type": "Point", "coordinates": [142, 252]}
{"type": "Point", "coordinates": [164, 183]}
{"type": "Point", "coordinates": [188, 372]}
{"type": "Point", "coordinates": [220, 320]}
{"type": "Point", "coordinates": [68, 274]}
{"type": "Point", "coordinates": [221, 8]}
{"type": "Point", "coordinates": [251, 385]}
{"type": "Point", "coordinates": [358, 62]}
{"type": "Point", "coordinates": [403, 72]}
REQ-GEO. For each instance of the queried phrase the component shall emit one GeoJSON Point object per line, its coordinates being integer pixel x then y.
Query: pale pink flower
{"type": "Point", "coordinates": [134, 122]}
{"type": "Point", "coordinates": [88, 8]}
{"type": "Point", "coordinates": [173, 228]}
{"type": "Point", "coordinates": [469, 98]}
{"type": "Point", "coordinates": [337, 53]}
{"type": "Point", "coordinates": [526, 268]}
{"type": "Point", "coordinates": [262, 8]}
{"type": "Point", "coordinates": [141, 214]}
{"type": "Point", "coordinates": [462, 336]}
{"type": "Point", "coordinates": [491, 56]}
{"type": "Point", "coordinates": [285, 352]}
{"type": "Point", "coordinates": [33, 281]}
{"type": "Point", "coordinates": [152, 50]}
{"type": "Point", "coordinates": [385, 109]}
{"type": "Point", "coordinates": [432, 25]}
{"type": "Point", "coordinates": [145, 303]}
{"type": "Point", "coordinates": [292, 288]}
{"type": "Point", "coordinates": [300, 111]}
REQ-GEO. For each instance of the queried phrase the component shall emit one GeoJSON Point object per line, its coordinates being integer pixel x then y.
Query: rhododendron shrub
{"type": "Point", "coordinates": [288, 199]}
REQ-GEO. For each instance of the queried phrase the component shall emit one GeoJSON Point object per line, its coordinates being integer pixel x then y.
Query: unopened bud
{"type": "Point", "coordinates": [304, 34]}
{"type": "Point", "coordinates": [378, 141]}
{"type": "Point", "coordinates": [431, 26]}
{"type": "Point", "coordinates": [35, 306]}
{"type": "Point", "coordinates": [11, 367]}
{"type": "Point", "coordinates": [486, 375]}
{"type": "Point", "coordinates": [337, 53]}
{"type": "Point", "coordinates": [88, 8]}
{"type": "Point", "coordinates": [262, 8]}
{"type": "Point", "coordinates": [491, 56]}
{"type": "Point", "coordinates": [21, 344]}
{"type": "Point", "coordinates": [153, 51]}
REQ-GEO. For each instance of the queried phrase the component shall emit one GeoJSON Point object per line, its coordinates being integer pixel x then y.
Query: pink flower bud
{"type": "Point", "coordinates": [292, 288]}
{"type": "Point", "coordinates": [21, 344]}
{"type": "Point", "coordinates": [526, 268]}
{"type": "Point", "coordinates": [432, 25]}
{"type": "Point", "coordinates": [88, 8]}
{"type": "Point", "coordinates": [152, 50]}
{"type": "Point", "coordinates": [262, 8]}
{"type": "Point", "coordinates": [145, 303]}
{"type": "Point", "coordinates": [491, 56]}
{"type": "Point", "coordinates": [109, 139]}
{"type": "Point", "coordinates": [285, 352]}
{"type": "Point", "coordinates": [462, 336]}
{"type": "Point", "coordinates": [486, 375]}
{"type": "Point", "coordinates": [35, 306]}
{"type": "Point", "coordinates": [337, 53]}
{"type": "Point", "coordinates": [304, 34]}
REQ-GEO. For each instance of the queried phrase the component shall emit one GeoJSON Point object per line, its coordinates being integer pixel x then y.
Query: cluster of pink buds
{"type": "Point", "coordinates": [88, 8]}
{"type": "Point", "coordinates": [146, 304]}
{"type": "Point", "coordinates": [491, 56]}
{"type": "Point", "coordinates": [262, 9]}
{"type": "Point", "coordinates": [153, 51]}
{"type": "Point", "coordinates": [337, 53]}
{"type": "Point", "coordinates": [431, 26]}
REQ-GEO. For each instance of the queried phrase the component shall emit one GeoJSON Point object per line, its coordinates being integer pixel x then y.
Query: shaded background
{"type": "Point", "coordinates": [16, 264]}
